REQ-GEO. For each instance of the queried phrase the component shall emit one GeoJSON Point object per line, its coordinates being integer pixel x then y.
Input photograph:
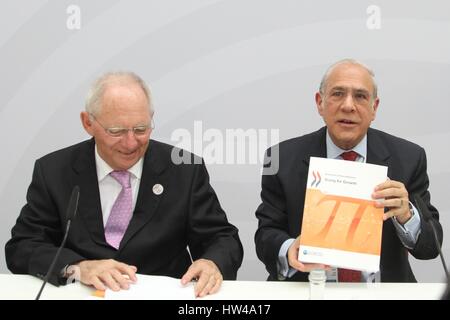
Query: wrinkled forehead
{"type": "Point", "coordinates": [125, 101]}
{"type": "Point", "coordinates": [123, 90]}
{"type": "Point", "coordinates": [350, 77]}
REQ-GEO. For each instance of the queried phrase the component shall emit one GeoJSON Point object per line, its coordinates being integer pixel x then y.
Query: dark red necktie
{"type": "Point", "coordinates": [347, 275]}
{"type": "Point", "coordinates": [349, 155]}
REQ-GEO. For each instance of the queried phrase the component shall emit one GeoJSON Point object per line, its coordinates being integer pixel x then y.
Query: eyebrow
{"type": "Point", "coordinates": [136, 126]}
{"type": "Point", "coordinates": [357, 90]}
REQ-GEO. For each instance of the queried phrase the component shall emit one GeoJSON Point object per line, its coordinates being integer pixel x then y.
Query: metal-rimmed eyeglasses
{"type": "Point", "coordinates": [117, 132]}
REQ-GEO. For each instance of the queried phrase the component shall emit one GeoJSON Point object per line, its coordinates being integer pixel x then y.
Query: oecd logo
{"type": "Point", "coordinates": [317, 179]}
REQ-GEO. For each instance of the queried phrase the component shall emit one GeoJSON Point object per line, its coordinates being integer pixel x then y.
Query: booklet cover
{"type": "Point", "coordinates": [341, 226]}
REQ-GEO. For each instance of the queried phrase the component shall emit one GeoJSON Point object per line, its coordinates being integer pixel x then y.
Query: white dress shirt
{"type": "Point", "coordinates": [110, 188]}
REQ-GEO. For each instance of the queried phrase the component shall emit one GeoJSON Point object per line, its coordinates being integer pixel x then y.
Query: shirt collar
{"type": "Point", "coordinates": [334, 152]}
{"type": "Point", "coordinates": [104, 169]}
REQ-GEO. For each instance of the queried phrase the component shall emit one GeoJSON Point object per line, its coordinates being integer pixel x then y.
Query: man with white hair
{"type": "Point", "coordinates": [138, 211]}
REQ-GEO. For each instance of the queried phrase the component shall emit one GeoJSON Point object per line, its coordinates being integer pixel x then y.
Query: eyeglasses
{"type": "Point", "coordinates": [360, 97]}
{"type": "Point", "coordinates": [116, 132]}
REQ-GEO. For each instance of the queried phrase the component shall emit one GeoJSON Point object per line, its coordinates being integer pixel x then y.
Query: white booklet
{"type": "Point", "coordinates": [151, 288]}
{"type": "Point", "coordinates": [341, 226]}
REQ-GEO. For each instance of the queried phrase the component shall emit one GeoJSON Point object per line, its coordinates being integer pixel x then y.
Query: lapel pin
{"type": "Point", "coordinates": [158, 189]}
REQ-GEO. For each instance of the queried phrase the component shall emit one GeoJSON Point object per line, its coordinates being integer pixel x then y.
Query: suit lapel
{"type": "Point", "coordinates": [377, 153]}
{"type": "Point", "coordinates": [147, 201]}
{"type": "Point", "coordinates": [317, 147]}
{"type": "Point", "coordinates": [89, 207]}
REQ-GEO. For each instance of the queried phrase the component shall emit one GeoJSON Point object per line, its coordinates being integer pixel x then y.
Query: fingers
{"type": "Point", "coordinates": [398, 208]}
{"type": "Point", "coordinates": [104, 274]}
{"type": "Point", "coordinates": [128, 270]}
{"type": "Point", "coordinates": [307, 267]}
{"type": "Point", "coordinates": [304, 267]}
{"type": "Point", "coordinates": [208, 275]}
{"type": "Point", "coordinates": [122, 280]}
{"type": "Point", "coordinates": [392, 203]}
{"type": "Point", "coordinates": [205, 285]}
{"type": "Point", "coordinates": [216, 287]}
{"type": "Point", "coordinates": [210, 286]}
{"type": "Point", "coordinates": [293, 254]}
{"type": "Point", "coordinates": [393, 195]}
{"type": "Point", "coordinates": [110, 281]}
{"type": "Point", "coordinates": [390, 193]}
{"type": "Point", "coordinates": [389, 184]}
{"type": "Point", "coordinates": [294, 263]}
{"type": "Point", "coordinates": [390, 188]}
{"type": "Point", "coordinates": [190, 274]}
{"type": "Point", "coordinates": [97, 283]}
{"type": "Point", "coordinates": [392, 213]}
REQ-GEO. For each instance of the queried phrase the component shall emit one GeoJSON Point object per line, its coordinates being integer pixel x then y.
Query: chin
{"type": "Point", "coordinates": [347, 142]}
{"type": "Point", "coordinates": [129, 164]}
{"type": "Point", "coordinates": [126, 164]}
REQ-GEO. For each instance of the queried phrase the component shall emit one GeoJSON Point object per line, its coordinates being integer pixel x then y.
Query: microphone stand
{"type": "Point", "coordinates": [52, 266]}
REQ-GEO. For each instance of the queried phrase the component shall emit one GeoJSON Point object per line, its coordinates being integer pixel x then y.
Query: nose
{"type": "Point", "coordinates": [129, 140]}
{"type": "Point", "coordinates": [349, 104]}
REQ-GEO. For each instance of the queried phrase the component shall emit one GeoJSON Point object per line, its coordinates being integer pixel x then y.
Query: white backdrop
{"type": "Point", "coordinates": [237, 64]}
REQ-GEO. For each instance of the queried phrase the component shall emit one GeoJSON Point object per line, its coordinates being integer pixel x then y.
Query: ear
{"type": "Point", "coordinates": [319, 103]}
{"type": "Point", "coordinates": [375, 108]}
{"type": "Point", "coordinates": [87, 123]}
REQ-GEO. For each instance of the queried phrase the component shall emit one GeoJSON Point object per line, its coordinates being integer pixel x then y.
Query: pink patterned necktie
{"type": "Point", "coordinates": [347, 275]}
{"type": "Point", "coordinates": [121, 211]}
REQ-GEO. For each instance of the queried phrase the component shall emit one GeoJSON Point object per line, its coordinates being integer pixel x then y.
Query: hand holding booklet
{"type": "Point", "coordinates": [341, 226]}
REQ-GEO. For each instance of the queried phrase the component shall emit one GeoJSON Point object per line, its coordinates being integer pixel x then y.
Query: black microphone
{"type": "Point", "coordinates": [70, 214]}
{"type": "Point", "coordinates": [426, 214]}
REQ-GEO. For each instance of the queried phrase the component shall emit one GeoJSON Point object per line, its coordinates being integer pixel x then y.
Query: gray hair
{"type": "Point", "coordinates": [323, 83]}
{"type": "Point", "coordinates": [97, 90]}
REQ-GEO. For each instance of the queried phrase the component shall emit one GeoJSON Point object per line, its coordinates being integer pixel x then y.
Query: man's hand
{"type": "Point", "coordinates": [304, 267]}
{"type": "Point", "coordinates": [107, 273]}
{"type": "Point", "coordinates": [208, 277]}
{"type": "Point", "coordinates": [396, 199]}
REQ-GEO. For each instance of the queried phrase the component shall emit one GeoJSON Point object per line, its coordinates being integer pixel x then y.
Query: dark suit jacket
{"type": "Point", "coordinates": [186, 214]}
{"type": "Point", "coordinates": [283, 194]}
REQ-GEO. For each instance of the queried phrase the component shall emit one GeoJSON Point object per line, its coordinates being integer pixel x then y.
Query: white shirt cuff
{"type": "Point", "coordinates": [284, 271]}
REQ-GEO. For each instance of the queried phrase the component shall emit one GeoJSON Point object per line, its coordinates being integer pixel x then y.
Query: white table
{"type": "Point", "coordinates": [26, 287]}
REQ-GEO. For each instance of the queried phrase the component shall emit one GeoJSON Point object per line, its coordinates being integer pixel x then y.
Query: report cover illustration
{"type": "Point", "coordinates": [341, 226]}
